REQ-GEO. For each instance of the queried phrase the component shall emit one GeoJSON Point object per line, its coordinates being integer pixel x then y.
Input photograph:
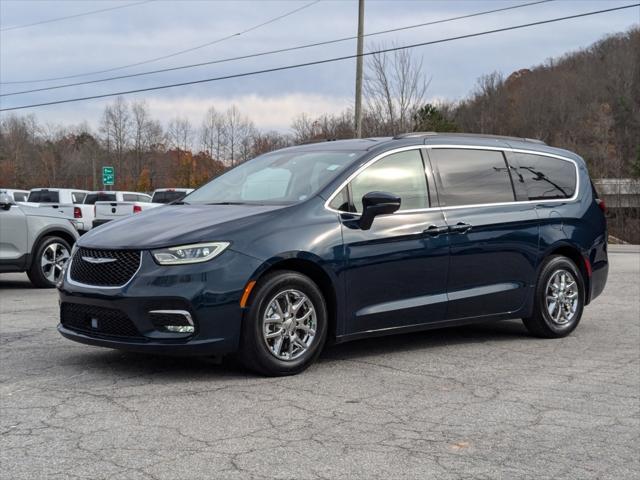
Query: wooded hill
{"type": "Point", "coordinates": [586, 101]}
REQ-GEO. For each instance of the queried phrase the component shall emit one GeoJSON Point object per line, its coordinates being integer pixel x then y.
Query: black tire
{"type": "Point", "coordinates": [541, 323]}
{"type": "Point", "coordinates": [255, 353]}
{"type": "Point", "coordinates": [40, 277]}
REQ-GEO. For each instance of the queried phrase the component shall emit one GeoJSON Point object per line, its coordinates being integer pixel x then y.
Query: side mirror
{"type": "Point", "coordinates": [5, 201]}
{"type": "Point", "coordinates": [377, 203]}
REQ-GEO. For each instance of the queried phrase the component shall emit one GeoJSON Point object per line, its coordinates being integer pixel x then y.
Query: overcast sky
{"type": "Point", "coordinates": [151, 29]}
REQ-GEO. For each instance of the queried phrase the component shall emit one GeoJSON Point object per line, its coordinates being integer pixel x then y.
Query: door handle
{"type": "Point", "coordinates": [434, 230]}
{"type": "Point", "coordinates": [460, 227]}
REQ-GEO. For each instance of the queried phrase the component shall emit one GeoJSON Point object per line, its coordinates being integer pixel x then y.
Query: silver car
{"type": "Point", "coordinates": [35, 241]}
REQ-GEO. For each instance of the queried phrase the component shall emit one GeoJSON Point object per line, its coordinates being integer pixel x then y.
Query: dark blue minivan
{"type": "Point", "coordinates": [342, 240]}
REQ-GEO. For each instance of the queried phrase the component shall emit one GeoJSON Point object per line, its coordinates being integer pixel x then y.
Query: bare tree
{"type": "Point", "coordinates": [180, 133]}
{"type": "Point", "coordinates": [268, 141]}
{"type": "Point", "coordinates": [237, 128]}
{"type": "Point", "coordinates": [116, 127]}
{"type": "Point", "coordinates": [141, 119]}
{"type": "Point", "coordinates": [394, 88]}
{"type": "Point", "coordinates": [213, 134]}
{"type": "Point", "coordinates": [326, 127]}
{"type": "Point", "coordinates": [17, 147]}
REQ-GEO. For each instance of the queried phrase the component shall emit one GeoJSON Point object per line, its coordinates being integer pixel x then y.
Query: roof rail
{"type": "Point", "coordinates": [414, 135]}
{"type": "Point", "coordinates": [472, 135]}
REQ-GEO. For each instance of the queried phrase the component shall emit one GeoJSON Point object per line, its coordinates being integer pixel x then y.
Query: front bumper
{"type": "Point", "coordinates": [210, 292]}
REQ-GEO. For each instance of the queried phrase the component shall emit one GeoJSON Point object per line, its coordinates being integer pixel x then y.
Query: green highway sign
{"type": "Point", "coordinates": [108, 175]}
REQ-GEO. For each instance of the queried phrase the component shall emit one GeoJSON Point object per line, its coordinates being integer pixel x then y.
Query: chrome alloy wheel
{"type": "Point", "coordinates": [562, 297]}
{"type": "Point", "coordinates": [54, 257]}
{"type": "Point", "coordinates": [289, 325]}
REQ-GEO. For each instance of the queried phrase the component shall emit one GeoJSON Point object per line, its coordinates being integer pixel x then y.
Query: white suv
{"type": "Point", "coordinates": [34, 240]}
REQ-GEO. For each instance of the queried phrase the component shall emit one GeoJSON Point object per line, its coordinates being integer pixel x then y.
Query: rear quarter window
{"type": "Point", "coordinates": [544, 178]}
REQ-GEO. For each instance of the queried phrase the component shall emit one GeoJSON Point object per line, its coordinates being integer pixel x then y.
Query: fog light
{"type": "Point", "coordinates": [180, 328]}
{"type": "Point", "coordinates": [172, 321]}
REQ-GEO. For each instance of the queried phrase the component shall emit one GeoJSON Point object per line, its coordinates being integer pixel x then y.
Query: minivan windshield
{"type": "Point", "coordinates": [282, 177]}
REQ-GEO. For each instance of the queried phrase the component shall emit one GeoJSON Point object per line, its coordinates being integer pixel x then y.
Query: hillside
{"type": "Point", "coordinates": [586, 101]}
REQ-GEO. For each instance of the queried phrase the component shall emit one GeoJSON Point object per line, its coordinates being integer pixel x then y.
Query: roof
{"type": "Point", "coordinates": [435, 138]}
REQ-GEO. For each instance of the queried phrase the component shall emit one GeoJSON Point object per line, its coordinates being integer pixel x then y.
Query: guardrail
{"type": "Point", "coordinates": [619, 192]}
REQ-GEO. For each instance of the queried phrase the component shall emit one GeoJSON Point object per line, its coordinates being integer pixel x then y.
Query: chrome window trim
{"type": "Point", "coordinates": [85, 285]}
{"type": "Point", "coordinates": [460, 147]}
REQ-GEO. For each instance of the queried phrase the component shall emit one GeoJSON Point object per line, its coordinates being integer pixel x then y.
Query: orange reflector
{"type": "Point", "coordinates": [246, 293]}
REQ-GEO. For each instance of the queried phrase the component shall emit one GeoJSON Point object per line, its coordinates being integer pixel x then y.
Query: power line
{"type": "Point", "coordinates": [319, 62]}
{"type": "Point", "coordinates": [271, 52]}
{"type": "Point", "coordinates": [174, 54]}
{"type": "Point", "coordinates": [58, 19]}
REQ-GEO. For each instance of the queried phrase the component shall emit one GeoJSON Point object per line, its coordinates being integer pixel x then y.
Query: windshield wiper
{"type": "Point", "coordinates": [227, 203]}
{"type": "Point", "coordinates": [179, 202]}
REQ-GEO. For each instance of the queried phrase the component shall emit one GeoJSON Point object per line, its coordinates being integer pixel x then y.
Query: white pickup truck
{"type": "Point", "coordinates": [114, 210]}
{"type": "Point", "coordinates": [15, 195]}
{"type": "Point", "coordinates": [128, 204]}
{"type": "Point", "coordinates": [85, 214]}
{"type": "Point", "coordinates": [63, 200]}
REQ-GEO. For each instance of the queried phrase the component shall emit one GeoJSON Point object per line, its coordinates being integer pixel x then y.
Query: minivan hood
{"type": "Point", "coordinates": [173, 225]}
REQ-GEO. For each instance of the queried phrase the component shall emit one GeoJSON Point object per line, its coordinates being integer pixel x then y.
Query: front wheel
{"type": "Point", "coordinates": [50, 257]}
{"type": "Point", "coordinates": [559, 299]}
{"type": "Point", "coordinates": [285, 326]}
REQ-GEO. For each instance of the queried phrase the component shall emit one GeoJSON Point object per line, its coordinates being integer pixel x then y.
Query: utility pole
{"type": "Point", "coordinates": [358, 112]}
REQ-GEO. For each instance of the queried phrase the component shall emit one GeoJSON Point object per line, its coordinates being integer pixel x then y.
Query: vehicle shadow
{"type": "Point", "coordinates": [189, 369]}
{"type": "Point", "coordinates": [507, 330]}
{"type": "Point", "coordinates": [13, 282]}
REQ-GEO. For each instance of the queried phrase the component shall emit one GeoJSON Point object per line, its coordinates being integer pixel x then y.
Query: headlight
{"type": "Point", "coordinates": [200, 252]}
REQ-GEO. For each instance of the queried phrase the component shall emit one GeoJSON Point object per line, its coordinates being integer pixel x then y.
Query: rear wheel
{"type": "Point", "coordinates": [559, 299]}
{"type": "Point", "coordinates": [286, 325]}
{"type": "Point", "coordinates": [50, 257]}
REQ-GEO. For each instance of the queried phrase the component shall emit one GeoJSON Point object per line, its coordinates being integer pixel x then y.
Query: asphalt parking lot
{"type": "Point", "coordinates": [486, 401]}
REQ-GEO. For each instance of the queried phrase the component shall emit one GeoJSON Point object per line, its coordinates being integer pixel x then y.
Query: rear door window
{"type": "Point", "coordinates": [471, 177]}
{"type": "Point", "coordinates": [544, 178]}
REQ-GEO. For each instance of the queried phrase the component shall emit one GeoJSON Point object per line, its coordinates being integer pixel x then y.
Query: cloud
{"type": "Point", "coordinates": [267, 112]}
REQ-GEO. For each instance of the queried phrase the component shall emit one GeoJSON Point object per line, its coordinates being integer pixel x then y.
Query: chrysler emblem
{"type": "Point", "coordinates": [99, 260]}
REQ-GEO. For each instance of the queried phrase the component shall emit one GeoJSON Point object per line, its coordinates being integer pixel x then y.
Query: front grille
{"type": "Point", "coordinates": [97, 320]}
{"type": "Point", "coordinates": [115, 273]}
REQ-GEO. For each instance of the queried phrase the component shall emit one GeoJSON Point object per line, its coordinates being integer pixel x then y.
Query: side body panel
{"type": "Point", "coordinates": [493, 265]}
{"type": "Point", "coordinates": [13, 239]}
{"type": "Point", "coordinates": [396, 273]}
